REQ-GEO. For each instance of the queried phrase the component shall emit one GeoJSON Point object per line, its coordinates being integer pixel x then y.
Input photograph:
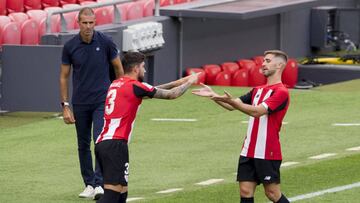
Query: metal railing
{"type": "Point", "coordinates": [117, 14]}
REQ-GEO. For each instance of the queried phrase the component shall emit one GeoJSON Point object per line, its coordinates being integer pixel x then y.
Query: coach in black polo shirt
{"type": "Point", "coordinates": [89, 54]}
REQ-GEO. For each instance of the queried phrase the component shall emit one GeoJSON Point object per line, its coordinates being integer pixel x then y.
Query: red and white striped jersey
{"type": "Point", "coordinates": [262, 140]}
{"type": "Point", "coordinates": [122, 103]}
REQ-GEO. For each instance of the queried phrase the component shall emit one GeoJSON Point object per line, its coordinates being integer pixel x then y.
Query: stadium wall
{"type": "Point", "coordinates": [29, 80]}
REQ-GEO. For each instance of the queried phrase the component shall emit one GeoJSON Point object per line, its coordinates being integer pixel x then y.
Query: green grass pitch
{"type": "Point", "coordinates": [38, 153]}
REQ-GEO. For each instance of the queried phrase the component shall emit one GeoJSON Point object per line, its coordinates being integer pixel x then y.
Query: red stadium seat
{"type": "Point", "coordinates": [246, 63]}
{"type": "Point", "coordinates": [103, 16]}
{"type": "Point", "coordinates": [230, 67]}
{"type": "Point", "coordinates": [50, 3]}
{"type": "Point", "coordinates": [211, 70]}
{"type": "Point", "coordinates": [123, 11]}
{"type": "Point", "coordinates": [166, 2]}
{"type": "Point", "coordinates": [180, 1]}
{"type": "Point", "coordinates": [37, 15]}
{"type": "Point", "coordinates": [64, 2]}
{"type": "Point", "coordinates": [19, 17]}
{"type": "Point", "coordinates": [15, 6]}
{"type": "Point", "coordinates": [256, 77]}
{"type": "Point", "coordinates": [32, 4]}
{"type": "Point", "coordinates": [3, 7]}
{"type": "Point", "coordinates": [3, 21]}
{"type": "Point", "coordinates": [290, 73]}
{"type": "Point", "coordinates": [223, 79]}
{"type": "Point", "coordinates": [11, 33]}
{"type": "Point", "coordinates": [30, 32]}
{"type": "Point", "coordinates": [202, 75]}
{"type": "Point", "coordinates": [135, 10]}
{"type": "Point", "coordinates": [71, 18]}
{"type": "Point", "coordinates": [258, 60]}
{"type": "Point", "coordinates": [149, 7]}
{"type": "Point", "coordinates": [240, 78]}
{"type": "Point", "coordinates": [80, 1]}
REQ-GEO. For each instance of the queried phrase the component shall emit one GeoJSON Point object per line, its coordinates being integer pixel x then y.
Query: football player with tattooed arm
{"type": "Point", "coordinates": [122, 103]}
{"type": "Point", "coordinates": [260, 157]}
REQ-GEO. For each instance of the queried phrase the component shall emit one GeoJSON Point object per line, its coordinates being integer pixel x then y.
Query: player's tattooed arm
{"type": "Point", "coordinates": [176, 83]}
{"type": "Point", "coordinates": [177, 91]}
{"type": "Point", "coordinates": [172, 93]}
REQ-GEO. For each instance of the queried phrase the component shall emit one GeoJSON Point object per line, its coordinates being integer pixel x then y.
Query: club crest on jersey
{"type": "Point", "coordinates": [97, 48]}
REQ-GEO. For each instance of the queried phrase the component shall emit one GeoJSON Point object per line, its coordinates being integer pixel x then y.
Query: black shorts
{"type": "Point", "coordinates": [113, 159]}
{"type": "Point", "coordinates": [258, 170]}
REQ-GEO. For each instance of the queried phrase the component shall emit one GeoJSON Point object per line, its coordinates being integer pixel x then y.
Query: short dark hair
{"type": "Point", "coordinates": [86, 11]}
{"type": "Point", "coordinates": [131, 59]}
{"type": "Point", "coordinates": [277, 53]}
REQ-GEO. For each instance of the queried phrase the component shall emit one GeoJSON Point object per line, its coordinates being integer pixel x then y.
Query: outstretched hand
{"type": "Point", "coordinates": [223, 98]}
{"type": "Point", "coordinates": [205, 91]}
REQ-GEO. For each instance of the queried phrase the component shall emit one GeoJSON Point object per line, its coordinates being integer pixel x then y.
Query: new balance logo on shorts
{"type": "Point", "coordinates": [267, 178]}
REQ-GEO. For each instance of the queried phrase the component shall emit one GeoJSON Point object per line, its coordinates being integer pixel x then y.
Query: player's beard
{"type": "Point", "coordinates": [141, 78]}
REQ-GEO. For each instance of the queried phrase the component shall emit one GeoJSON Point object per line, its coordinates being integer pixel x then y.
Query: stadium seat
{"type": "Point", "coordinates": [149, 7]}
{"type": "Point", "coordinates": [256, 76]}
{"type": "Point", "coordinates": [32, 4]}
{"type": "Point", "coordinates": [290, 73]}
{"type": "Point", "coordinates": [246, 63]}
{"type": "Point", "coordinates": [180, 1]}
{"type": "Point", "coordinates": [71, 18]}
{"type": "Point", "coordinates": [258, 60]}
{"type": "Point", "coordinates": [166, 2]}
{"type": "Point", "coordinates": [30, 32]}
{"type": "Point", "coordinates": [240, 78]}
{"type": "Point", "coordinates": [64, 2]}
{"type": "Point", "coordinates": [230, 67]}
{"type": "Point", "coordinates": [37, 15]}
{"type": "Point", "coordinates": [103, 16]}
{"type": "Point", "coordinates": [202, 75]}
{"type": "Point", "coordinates": [123, 11]}
{"type": "Point", "coordinates": [11, 33]}
{"type": "Point", "coordinates": [3, 7]}
{"type": "Point", "coordinates": [50, 3]}
{"type": "Point", "coordinates": [4, 20]}
{"type": "Point", "coordinates": [211, 70]}
{"type": "Point", "coordinates": [15, 6]}
{"type": "Point", "coordinates": [80, 1]}
{"type": "Point", "coordinates": [55, 23]}
{"type": "Point", "coordinates": [223, 79]}
{"type": "Point", "coordinates": [135, 10]}
{"type": "Point", "coordinates": [19, 17]}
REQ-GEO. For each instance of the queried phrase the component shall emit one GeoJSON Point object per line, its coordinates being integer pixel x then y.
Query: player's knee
{"type": "Point", "coordinates": [272, 194]}
{"type": "Point", "coordinates": [246, 191]}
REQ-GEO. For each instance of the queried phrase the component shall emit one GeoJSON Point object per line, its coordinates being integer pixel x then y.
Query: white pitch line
{"type": "Point", "coordinates": [175, 119]}
{"type": "Point", "coordinates": [289, 163]}
{"type": "Point", "coordinates": [169, 190]}
{"type": "Point", "coordinates": [134, 199]}
{"type": "Point", "coordinates": [353, 149]}
{"type": "Point", "coordinates": [322, 156]}
{"type": "Point", "coordinates": [322, 192]}
{"type": "Point", "coordinates": [209, 182]}
{"type": "Point", "coordinates": [346, 124]}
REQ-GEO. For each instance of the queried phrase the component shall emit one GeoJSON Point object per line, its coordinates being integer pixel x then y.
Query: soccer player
{"type": "Point", "coordinates": [260, 158]}
{"type": "Point", "coordinates": [122, 103]}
